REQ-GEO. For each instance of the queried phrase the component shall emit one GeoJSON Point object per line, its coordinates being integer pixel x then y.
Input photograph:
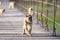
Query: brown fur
{"type": "Point", "coordinates": [27, 26]}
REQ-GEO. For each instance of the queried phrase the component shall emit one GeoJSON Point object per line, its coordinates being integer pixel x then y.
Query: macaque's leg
{"type": "Point", "coordinates": [12, 5]}
{"type": "Point", "coordinates": [29, 28]}
{"type": "Point", "coordinates": [27, 32]}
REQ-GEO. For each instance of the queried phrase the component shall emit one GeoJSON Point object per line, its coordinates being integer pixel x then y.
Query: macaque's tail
{"type": "Point", "coordinates": [3, 10]}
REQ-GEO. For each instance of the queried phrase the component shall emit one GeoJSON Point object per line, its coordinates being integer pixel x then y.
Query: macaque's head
{"type": "Point", "coordinates": [30, 8]}
{"type": "Point", "coordinates": [27, 16]}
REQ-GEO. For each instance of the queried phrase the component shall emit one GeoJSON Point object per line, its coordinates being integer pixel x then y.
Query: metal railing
{"type": "Point", "coordinates": [46, 13]}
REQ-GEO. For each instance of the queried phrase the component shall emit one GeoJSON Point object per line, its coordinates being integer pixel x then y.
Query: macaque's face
{"type": "Point", "coordinates": [27, 18]}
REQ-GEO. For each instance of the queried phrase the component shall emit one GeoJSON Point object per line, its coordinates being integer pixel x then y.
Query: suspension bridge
{"type": "Point", "coordinates": [11, 24]}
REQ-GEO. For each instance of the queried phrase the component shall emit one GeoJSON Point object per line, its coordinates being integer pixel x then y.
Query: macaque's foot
{"type": "Point", "coordinates": [28, 35]}
{"type": "Point", "coordinates": [23, 33]}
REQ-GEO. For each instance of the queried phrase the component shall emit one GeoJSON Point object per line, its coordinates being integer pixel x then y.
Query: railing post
{"type": "Point", "coordinates": [37, 10]}
{"type": "Point", "coordinates": [42, 14]}
{"type": "Point", "coordinates": [55, 9]}
{"type": "Point", "coordinates": [46, 18]}
{"type": "Point", "coordinates": [33, 7]}
{"type": "Point", "coordinates": [31, 2]}
{"type": "Point", "coordinates": [27, 3]}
